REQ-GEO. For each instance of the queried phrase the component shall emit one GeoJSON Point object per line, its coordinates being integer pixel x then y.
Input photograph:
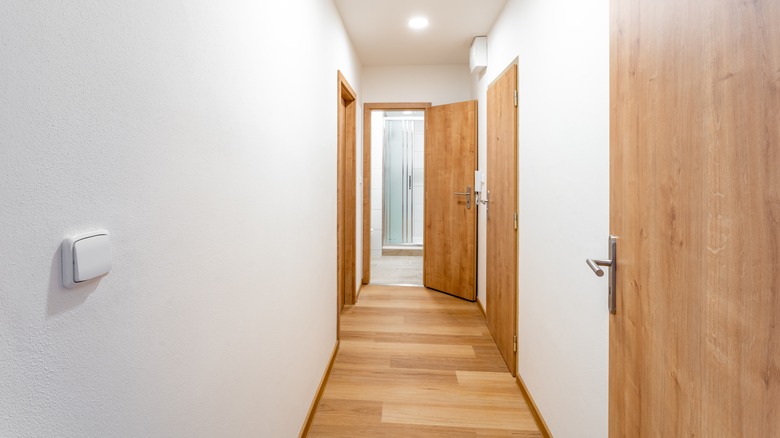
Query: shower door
{"type": "Point", "coordinates": [403, 180]}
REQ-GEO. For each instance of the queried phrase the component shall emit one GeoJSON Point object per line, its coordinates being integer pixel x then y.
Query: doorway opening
{"type": "Point", "coordinates": [402, 150]}
{"type": "Point", "coordinates": [397, 148]}
{"type": "Point", "coordinates": [393, 224]}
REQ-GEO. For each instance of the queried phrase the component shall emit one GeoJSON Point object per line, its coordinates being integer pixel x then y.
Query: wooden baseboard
{"type": "Point", "coordinates": [318, 395]}
{"type": "Point", "coordinates": [534, 409]}
{"type": "Point", "coordinates": [482, 309]}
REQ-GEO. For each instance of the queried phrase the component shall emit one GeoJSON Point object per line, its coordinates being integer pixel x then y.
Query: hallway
{"type": "Point", "coordinates": [414, 362]}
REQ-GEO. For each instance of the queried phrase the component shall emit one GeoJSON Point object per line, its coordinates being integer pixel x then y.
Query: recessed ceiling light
{"type": "Point", "coordinates": [418, 23]}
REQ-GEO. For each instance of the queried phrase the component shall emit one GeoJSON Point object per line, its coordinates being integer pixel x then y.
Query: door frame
{"type": "Point", "coordinates": [367, 109]}
{"type": "Point", "coordinates": [346, 196]}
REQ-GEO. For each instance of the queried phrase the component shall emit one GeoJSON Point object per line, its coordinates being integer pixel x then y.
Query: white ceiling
{"type": "Point", "coordinates": [381, 36]}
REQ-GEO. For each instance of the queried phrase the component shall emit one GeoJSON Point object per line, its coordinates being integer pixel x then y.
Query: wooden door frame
{"type": "Point", "coordinates": [346, 195]}
{"type": "Point", "coordinates": [367, 109]}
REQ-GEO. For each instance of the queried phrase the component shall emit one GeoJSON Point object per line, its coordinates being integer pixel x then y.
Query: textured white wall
{"type": "Point", "coordinates": [202, 135]}
{"type": "Point", "coordinates": [562, 48]}
{"type": "Point", "coordinates": [438, 84]}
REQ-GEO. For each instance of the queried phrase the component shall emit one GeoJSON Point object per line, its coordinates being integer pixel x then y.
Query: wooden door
{"type": "Point", "coordinates": [346, 195]}
{"type": "Point", "coordinates": [450, 237]}
{"type": "Point", "coordinates": [340, 228]}
{"type": "Point", "coordinates": [501, 274]}
{"type": "Point", "coordinates": [695, 203]}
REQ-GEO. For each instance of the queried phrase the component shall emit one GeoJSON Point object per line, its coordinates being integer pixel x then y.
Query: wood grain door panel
{"type": "Point", "coordinates": [346, 193]}
{"type": "Point", "coordinates": [449, 241]}
{"type": "Point", "coordinates": [501, 273]}
{"type": "Point", "coordinates": [695, 203]}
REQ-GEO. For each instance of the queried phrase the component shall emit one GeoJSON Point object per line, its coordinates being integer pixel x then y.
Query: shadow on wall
{"type": "Point", "coordinates": [60, 299]}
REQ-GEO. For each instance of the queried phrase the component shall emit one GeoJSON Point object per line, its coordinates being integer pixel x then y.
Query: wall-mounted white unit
{"type": "Point", "coordinates": [478, 55]}
{"type": "Point", "coordinates": [85, 257]}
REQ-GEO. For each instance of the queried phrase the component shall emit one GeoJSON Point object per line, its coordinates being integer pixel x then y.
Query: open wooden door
{"type": "Point", "coordinates": [501, 274]}
{"type": "Point", "coordinates": [450, 238]}
{"type": "Point", "coordinates": [695, 204]}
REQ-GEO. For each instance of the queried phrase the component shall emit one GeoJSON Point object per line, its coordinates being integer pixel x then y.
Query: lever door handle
{"type": "Point", "coordinates": [595, 263]}
{"type": "Point", "coordinates": [467, 193]}
{"type": "Point", "coordinates": [484, 197]}
{"type": "Point", "coordinates": [611, 263]}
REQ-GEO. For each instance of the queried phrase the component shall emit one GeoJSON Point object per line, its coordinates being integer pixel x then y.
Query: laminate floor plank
{"type": "Point", "coordinates": [419, 329]}
{"type": "Point", "coordinates": [391, 376]}
{"type": "Point", "coordinates": [391, 431]}
{"type": "Point", "coordinates": [418, 338]}
{"type": "Point", "coordinates": [405, 349]}
{"type": "Point", "coordinates": [466, 416]}
{"type": "Point", "coordinates": [430, 395]}
{"type": "Point", "coordinates": [460, 311]}
{"type": "Point", "coordinates": [334, 412]}
{"type": "Point", "coordinates": [417, 363]}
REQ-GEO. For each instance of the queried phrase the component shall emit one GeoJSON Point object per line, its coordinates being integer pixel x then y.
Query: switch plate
{"type": "Point", "coordinates": [85, 257]}
{"type": "Point", "coordinates": [479, 181]}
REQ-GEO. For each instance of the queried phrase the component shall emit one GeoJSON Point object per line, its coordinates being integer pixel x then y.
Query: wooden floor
{"type": "Point", "coordinates": [418, 363]}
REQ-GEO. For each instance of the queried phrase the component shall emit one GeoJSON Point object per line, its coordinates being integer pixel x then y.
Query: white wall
{"type": "Point", "coordinates": [202, 135]}
{"type": "Point", "coordinates": [562, 47]}
{"type": "Point", "coordinates": [438, 84]}
{"type": "Point", "coordinates": [377, 160]}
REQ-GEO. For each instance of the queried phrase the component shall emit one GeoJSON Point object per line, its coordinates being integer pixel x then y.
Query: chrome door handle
{"type": "Point", "coordinates": [482, 197]}
{"type": "Point", "coordinates": [595, 263]}
{"type": "Point", "coordinates": [611, 263]}
{"type": "Point", "coordinates": [467, 193]}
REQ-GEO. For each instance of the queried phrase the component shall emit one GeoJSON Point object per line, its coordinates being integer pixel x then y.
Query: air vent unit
{"type": "Point", "coordinates": [478, 54]}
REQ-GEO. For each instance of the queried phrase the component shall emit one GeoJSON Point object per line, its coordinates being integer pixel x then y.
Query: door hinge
{"type": "Point", "coordinates": [515, 97]}
{"type": "Point", "coordinates": [515, 220]}
{"type": "Point", "coordinates": [514, 343]}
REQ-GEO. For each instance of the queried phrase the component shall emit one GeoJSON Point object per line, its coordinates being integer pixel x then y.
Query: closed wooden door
{"type": "Point", "coordinates": [501, 274]}
{"type": "Point", "coordinates": [450, 237]}
{"type": "Point", "coordinates": [345, 197]}
{"type": "Point", "coordinates": [695, 203]}
{"type": "Point", "coordinates": [341, 275]}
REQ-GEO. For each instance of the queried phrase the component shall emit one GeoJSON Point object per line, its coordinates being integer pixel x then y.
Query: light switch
{"type": "Point", "coordinates": [479, 181]}
{"type": "Point", "coordinates": [85, 257]}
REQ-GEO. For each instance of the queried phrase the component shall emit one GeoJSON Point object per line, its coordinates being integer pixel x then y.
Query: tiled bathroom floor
{"type": "Point", "coordinates": [397, 270]}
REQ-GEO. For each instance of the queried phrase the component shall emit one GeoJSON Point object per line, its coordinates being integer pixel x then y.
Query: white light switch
{"type": "Point", "coordinates": [479, 181]}
{"type": "Point", "coordinates": [85, 257]}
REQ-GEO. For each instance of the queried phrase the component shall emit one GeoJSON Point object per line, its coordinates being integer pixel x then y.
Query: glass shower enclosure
{"type": "Point", "coordinates": [402, 173]}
